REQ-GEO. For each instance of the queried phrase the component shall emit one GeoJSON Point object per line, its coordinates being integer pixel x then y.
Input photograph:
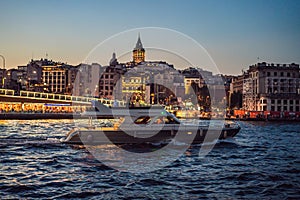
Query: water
{"type": "Point", "coordinates": [262, 162]}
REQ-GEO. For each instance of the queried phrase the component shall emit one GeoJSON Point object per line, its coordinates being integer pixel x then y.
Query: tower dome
{"type": "Point", "coordinates": [113, 61]}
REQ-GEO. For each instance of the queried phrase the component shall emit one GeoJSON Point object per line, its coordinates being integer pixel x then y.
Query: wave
{"type": "Point", "coordinates": [28, 141]}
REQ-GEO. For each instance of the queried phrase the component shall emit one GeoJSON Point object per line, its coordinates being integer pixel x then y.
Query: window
{"type": "Point", "coordinates": [275, 73]}
{"type": "Point", "coordinates": [291, 101]}
{"type": "Point", "coordinates": [269, 90]}
{"type": "Point", "coordinates": [272, 108]}
{"type": "Point", "coordinates": [297, 102]}
{"type": "Point", "coordinates": [297, 108]}
{"type": "Point", "coordinates": [281, 74]}
{"type": "Point", "coordinates": [264, 108]}
{"type": "Point", "coordinates": [288, 74]}
{"type": "Point", "coordinates": [142, 120]}
{"type": "Point", "coordinates": [285, 102]}
{"type": "Point", "coordinates": [284, 108]}
{"type": "Point", "coordinates": [272, 101]}
{"type": "Point", "coordinates": [268, 73]}
{"type": "Point", "coordinates": [278, 108]}
{"type": "Point", "coordinates": [264, 101]}
{"type": "Point", "coordinates": [291, 108]}
{"type": "Point", "coordinates": [281, 89]}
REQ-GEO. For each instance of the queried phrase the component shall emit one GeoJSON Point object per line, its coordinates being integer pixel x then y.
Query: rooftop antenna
{"type": "Point", "coordinates": [46, 55]}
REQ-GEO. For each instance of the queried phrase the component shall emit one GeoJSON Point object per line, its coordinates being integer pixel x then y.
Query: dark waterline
{"type": "Point", "coordinates": [262, 162]}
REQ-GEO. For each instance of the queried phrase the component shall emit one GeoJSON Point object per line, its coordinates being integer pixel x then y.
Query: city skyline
{"type": "Point", "coordinates": [235, 34]}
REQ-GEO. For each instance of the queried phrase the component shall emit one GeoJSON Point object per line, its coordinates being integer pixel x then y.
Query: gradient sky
{"type": "Point", "coordinates": [235, 33]}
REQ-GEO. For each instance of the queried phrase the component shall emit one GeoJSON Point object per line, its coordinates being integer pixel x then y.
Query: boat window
{"type": "Point", "coordinates": [142, 120]}
{"type": "Point", "coordinates": [166, 120]}
{"type": "Point", "coordinates": [160, 120]}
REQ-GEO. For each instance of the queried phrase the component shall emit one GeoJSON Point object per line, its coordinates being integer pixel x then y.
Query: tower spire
{"type": "Point", "coordinates": [139, 44]}
{"type": "Point", "coordinates": [138, 51]}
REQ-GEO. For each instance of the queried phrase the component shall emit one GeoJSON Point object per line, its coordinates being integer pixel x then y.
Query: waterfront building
{"type": "Point", "coordinates": [272, 87]}
{"type": "Point", "coordinates": [87, 80]}
{"type": "Point", "coordinates": [22, 77]}
{"type": "Point", "coordinates": [110, 82]}
{"type": "Point", "coordinates": [54, 77]}
{"type": "Point", "coordinates": [235, 92]}
{"type": "Point", "coordinates": [71, 78]}
{"type": "Point", "coordinates": [11, 79]}
{"type": "Point", "coordinates": [34, 74]}
{"type": "Point", "coordinates": [237, 84]}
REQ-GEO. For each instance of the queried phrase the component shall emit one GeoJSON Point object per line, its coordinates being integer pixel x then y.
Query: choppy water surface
{"type": "Point", "coordinates": [262, 162]}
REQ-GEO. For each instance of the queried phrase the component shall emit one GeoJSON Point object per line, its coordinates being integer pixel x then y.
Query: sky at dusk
{"type": "Point", "coordinates": [234, 33]}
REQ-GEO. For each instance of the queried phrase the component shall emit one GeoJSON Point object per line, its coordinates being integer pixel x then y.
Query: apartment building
{"type": "Point", "coordinates": [272, 87]}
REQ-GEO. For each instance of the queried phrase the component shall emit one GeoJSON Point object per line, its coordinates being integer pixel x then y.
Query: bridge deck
{"type": "Point", "coordinates": [7, 95]}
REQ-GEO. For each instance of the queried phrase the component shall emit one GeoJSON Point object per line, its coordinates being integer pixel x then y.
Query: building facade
{"type": "Point", "coordinates": [86, 81]}
{"type": "Point", "coordinates": [272, 87]}
{"type": "Point", "coordinates": [11, 79]}
{"type": "Point", "coordinates": [235, 97]}
{"type": "Point", "coordinates": [22, 77]}
{"type": "Point", "coordinates": [54, 77]}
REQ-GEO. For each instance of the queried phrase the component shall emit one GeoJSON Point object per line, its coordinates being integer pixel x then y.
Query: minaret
{"type": "Point", "coordinates": [138, 52]}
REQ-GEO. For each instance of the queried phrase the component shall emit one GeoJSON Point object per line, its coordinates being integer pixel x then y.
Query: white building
{"type": "Point", "coordinates": [87, 80]}
{"type": "Point", "coordinates": [272, 87]}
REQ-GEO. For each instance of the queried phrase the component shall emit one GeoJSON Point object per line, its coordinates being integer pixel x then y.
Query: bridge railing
{"type": "Point", "coordinates": [7, 92]}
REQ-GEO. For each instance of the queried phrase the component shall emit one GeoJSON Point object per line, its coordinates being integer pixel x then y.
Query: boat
{"type": "Point", "coordinates": [140, 125]}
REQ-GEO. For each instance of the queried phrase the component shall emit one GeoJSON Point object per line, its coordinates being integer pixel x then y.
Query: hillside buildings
{"type": "Point", "coordinates": [263, 87]}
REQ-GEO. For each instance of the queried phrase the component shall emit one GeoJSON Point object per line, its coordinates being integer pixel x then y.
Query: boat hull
{"type": "Point", "coordinates": [95, 137]}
